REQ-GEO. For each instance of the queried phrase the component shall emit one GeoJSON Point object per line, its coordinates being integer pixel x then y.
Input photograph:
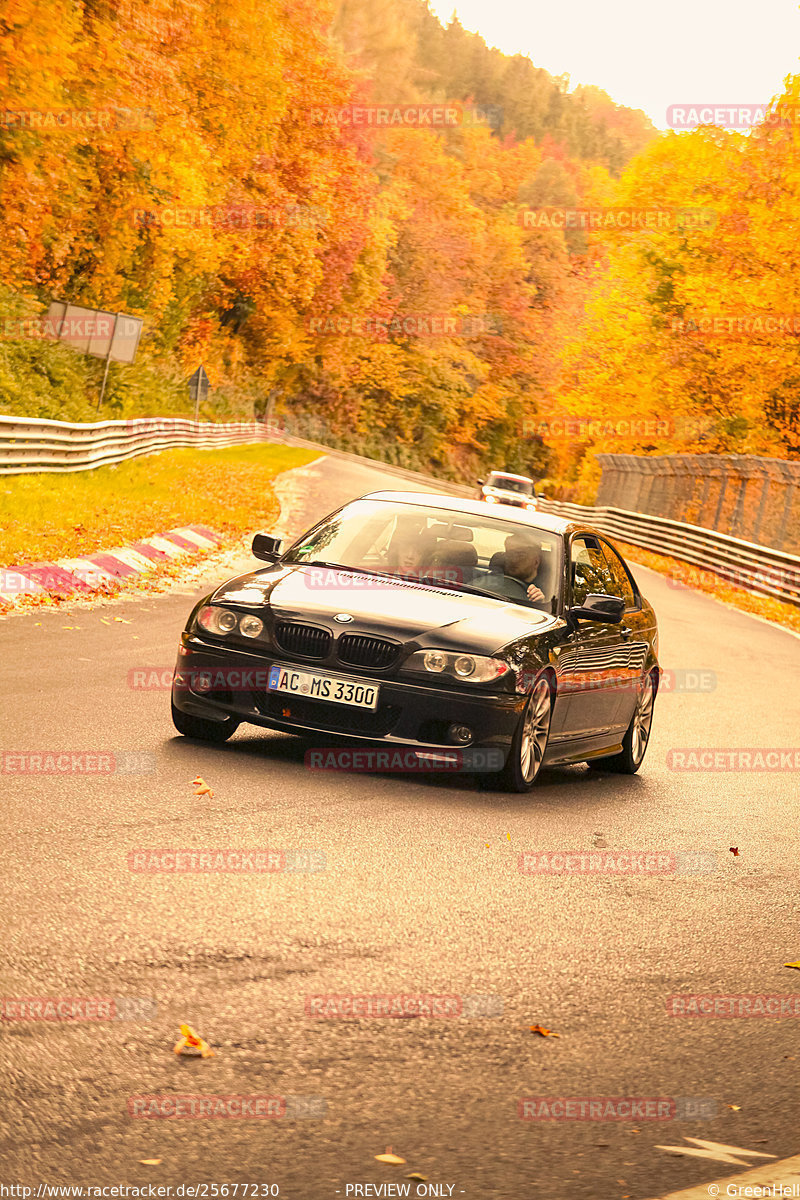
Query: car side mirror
{"type": "Point", "coordinates": [481, 482]}
{"type": "Point", "coordinates": [267, 547]}
{"type": "Point", "coordinates": [599, 607]}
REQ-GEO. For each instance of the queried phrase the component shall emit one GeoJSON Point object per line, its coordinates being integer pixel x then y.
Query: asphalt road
{"type": "Point", "coordinates": [413, 900]}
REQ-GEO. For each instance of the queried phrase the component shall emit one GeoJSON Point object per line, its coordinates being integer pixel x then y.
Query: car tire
{"type": "Point", "coordinates": [529, 744]}
{"type": "Point", "coordinates": [203, 731]}
{"type": "Point", "coordinates": [637, 735]}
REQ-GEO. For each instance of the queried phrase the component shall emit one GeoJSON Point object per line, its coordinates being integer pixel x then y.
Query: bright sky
{"type": "Point", "coordinates": [644, 54]}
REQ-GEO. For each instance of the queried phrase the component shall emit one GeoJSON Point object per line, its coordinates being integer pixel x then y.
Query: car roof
{"type": "Point", "coordinates": [510, 475]}
{"type": "Point", "coordinates": [479, 508]}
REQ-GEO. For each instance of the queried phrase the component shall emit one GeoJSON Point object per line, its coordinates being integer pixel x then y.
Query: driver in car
{"type": "Point", "coordinates": [522, 560]}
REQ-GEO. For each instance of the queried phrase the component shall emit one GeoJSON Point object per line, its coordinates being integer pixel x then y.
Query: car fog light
{"type": "Point", "coordinates": [251, 626]}
{"type": "Point", "coordinates": [435, 661]}
{"type": "Point", "coordinates": [464, 665]}
{"type": "Point", "coordinates": [459, 735]}
{"type": "Point", "coordinates": [202, 683]}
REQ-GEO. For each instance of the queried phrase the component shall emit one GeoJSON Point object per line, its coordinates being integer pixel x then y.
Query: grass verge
{"type": "Point", "coordinates": [44, 517]}
{"type": "Point", "coordinates": [765, 607]}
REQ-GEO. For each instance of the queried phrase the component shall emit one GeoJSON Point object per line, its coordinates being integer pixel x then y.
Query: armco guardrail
{"type": "Point", "coordinates": [758, 568]}
{"type": "Point", "coordinates": [32, 445]}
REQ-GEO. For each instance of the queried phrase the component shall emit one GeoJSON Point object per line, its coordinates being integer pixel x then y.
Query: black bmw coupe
{"type": "Point", "coordinates": [444, 627]}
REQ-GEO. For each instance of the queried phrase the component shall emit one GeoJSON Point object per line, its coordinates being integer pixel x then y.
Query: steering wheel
{"type": "Point", "coordinates": [522, 588]}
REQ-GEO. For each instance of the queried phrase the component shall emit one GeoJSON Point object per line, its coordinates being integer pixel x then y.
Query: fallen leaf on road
{"type": "Point", "coordinates": [794, 964]}
{"type": "Point", "coordinates": [192, 1043]}
{"type": "Point", "coordinates": [540, 1029]}
{"type": "Point", "coordinates": [150, 1162]}
{"type": "Point", "coordinates": [735, 1107]}
{"type": "Point", "coordinates": [202, 787]}
{"type": "Point", "coordinates": [416, 1175]}
{"type": "Point", "coordinates": [122, 620]}
{"type": "Point", "coordinates": [734, 850]}
{"type": "Point", "coordinates": [388, 1157]}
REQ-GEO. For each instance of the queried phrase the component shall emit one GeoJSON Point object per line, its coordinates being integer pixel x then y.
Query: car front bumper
{"type": "Point", "coordinates": [408, 714]}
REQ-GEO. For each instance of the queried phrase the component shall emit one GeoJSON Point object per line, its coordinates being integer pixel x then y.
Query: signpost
{"type": "Point", "coordinates": [198, 388]}
{"type": "Point", "coordinates": [93, 331]}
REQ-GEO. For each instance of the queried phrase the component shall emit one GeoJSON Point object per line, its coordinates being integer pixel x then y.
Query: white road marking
{"type": "Point", "coordinates": [784, 1173]}
{"type": "Point", "coordinates": [717, 1151]}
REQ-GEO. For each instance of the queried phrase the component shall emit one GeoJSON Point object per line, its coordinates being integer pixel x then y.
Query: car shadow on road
{"type": "Point", "coordinates": [275, 749]}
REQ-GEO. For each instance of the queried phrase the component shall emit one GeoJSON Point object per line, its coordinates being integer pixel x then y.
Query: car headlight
{"type": "Point", "coordinates": [216, 620]}
{"type": "Point", "coordinates": [490, 499]}
{"type": "Point", "coordinates": [469, 668]}
{"type": "Point", "coordinates": [222, 621]}
{"type": "Point", "coordinates": [434, 661]}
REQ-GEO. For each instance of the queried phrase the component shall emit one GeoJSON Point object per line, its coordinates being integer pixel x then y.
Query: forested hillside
{"type": "Point", "coordinates": [335, 210]}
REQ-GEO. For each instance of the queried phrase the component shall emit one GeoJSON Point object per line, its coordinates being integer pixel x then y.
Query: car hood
{"type": "Point", "coordinates": [395, 609]}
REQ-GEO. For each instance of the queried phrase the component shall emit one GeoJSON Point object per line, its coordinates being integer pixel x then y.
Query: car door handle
{"type": "Point", "coordinates": [626, 631]}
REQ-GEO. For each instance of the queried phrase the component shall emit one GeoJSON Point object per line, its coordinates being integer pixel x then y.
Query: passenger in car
{"type": "Point", "coordinates": [408, 554]}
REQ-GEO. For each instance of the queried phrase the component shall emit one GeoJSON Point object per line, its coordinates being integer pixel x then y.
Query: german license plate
{"type": "Point", "coordinates": [358, 693]}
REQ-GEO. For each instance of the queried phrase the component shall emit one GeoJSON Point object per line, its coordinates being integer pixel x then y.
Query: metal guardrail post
{"type": "Point", "coordinates": [687, 486]}
{"type": "Point", "coordinates": [762, 465]}
{"type": "Point", "coordinates": [706, 467]}
{"type": "Point", "coordinates": [647, 487]}
{"type": "Point", "coordinates": [790, 487]}
{"type": "Point", "coordinates": [723, 485]}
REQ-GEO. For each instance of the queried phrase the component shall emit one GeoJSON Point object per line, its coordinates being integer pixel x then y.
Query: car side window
{"type": "Point", "coordinates": [589, 570]}
{"type": "Point", "coordinates": [621, 577]}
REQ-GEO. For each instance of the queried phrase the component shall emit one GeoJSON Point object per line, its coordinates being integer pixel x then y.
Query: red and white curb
{"type": "Point", "coordinates": [81, 576]}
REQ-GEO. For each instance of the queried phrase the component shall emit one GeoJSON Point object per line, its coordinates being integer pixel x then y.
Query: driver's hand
{"type": "Point", "coordinates": [535, 593]}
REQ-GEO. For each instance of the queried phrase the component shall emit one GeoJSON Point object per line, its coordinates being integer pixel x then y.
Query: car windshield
{"type": "Point", "coordinates": [488, 555]}
{"type": "Point", "coordinates": [509, 484]}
